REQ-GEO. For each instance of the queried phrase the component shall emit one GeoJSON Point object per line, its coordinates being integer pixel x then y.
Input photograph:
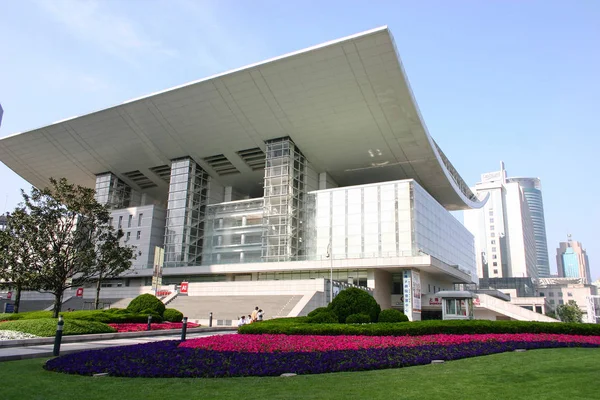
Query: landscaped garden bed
{"type": "Point", "coordinates": [247, 355]}
{"type": "Point", "coordinates": [137, 327]}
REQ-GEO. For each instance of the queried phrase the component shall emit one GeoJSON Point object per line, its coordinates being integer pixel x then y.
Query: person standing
{"type": "Point", "coordinates": [260, 315]}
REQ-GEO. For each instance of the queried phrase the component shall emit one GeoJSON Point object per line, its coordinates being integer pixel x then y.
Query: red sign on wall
{"type": "Point", "coordinates": [9, 295]}
{"type": "Point", "coordinates": [183, 288]}
{"type": "Point", "coordinates": [79, 292]}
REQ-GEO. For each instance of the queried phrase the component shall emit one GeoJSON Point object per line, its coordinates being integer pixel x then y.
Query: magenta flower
{"type": "Point", "coordinates": [155, 327]}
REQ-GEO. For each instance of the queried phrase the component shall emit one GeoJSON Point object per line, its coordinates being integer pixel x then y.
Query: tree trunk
{"type": "Point", "coordinates": [97, 300]}
{"type": "Point", "coordinates": [17, 299]}
{"type": "Point", "coordinates": [57, 304]}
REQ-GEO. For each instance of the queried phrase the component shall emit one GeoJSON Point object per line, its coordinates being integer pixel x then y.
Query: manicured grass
{"type": "Point", "coordinates": [539, 374]}
{"type": "Point", "coordinates": [46, 327]}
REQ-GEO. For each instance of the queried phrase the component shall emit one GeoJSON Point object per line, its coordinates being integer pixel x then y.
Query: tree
{"type": "Point", "coordinates": [569, 312]}
{"type": "Point", "coordinates": [112, 258]}
{"type": "Point", "coordinates": [64, 226]}
{"type": "Point", "coordinates": [15, 256]}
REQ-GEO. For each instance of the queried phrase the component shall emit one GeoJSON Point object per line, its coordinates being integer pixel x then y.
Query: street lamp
{"type": "Point", "coordinates": [330, 256]}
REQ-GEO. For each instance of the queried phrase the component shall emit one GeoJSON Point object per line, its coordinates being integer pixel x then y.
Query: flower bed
{"type": "Point", "coordinates": [273, 356]}
{"type": "Point", "coordinates": [154, 327]}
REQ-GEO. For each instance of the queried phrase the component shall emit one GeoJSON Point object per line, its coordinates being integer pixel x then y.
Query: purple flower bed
{"type": "Point", "coordinates": [166, 359]}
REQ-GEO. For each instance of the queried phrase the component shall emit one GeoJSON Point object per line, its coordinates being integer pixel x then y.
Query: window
{"type": "Point", "coordinates": [139, 235]}
{"type": "Point", "coordinates": [494, 256]}
{"type": "Point", "coordinates": [569, 294]}
{"type": "Point", "coordinates": [456, 307]}
{"type": "Point", "coordinates": [110, 221]}
{"type": "Point", "coordinates": [492, 227]}
{"type": "Point", "coordinates": [428, 288]}
{"type": "Point", "coordinates": [128, 236]}
{"type": "Point", "coordinates": [120, 222]}
{"type": "Point", "coordinates": [551, 301]}
{"type": "Point", "coordinates": [491, 220]}
{"type": "Point", "coordinates": [140, 219]}
{"type": "Point", "coordinates": [542, 294]}
{"type": "Point", "coordinates": [560, 294]}
{"type": "Point", "coordinates": [129, 221]}
{"type": "Point", "coordinates": [495, 263]}
{"type": "Point", "coordinates": [493, 241]}
{"type": "Point", "coordinates": [495, 271]}
{"type": "Point", "coordinates": [492, 234]}
{"type": "Point", "coordinates": [493, 249]}
{"type": "Point", "coordinates": [551, 294]}
{"type": "Point", "coordinates": [561, 302]}
{"type": "Point", "coordinates": [491, 213]}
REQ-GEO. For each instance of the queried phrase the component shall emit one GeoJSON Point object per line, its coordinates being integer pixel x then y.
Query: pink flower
{"type": "Point", "coordinates": [136, 327]}
{"type": "Point", "coordinates": [312, 343]}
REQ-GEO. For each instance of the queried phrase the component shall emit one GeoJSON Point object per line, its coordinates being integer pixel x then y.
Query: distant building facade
{"type": "Point", "coordinates": [505, 243]}
{"type": "Point", "coordinates": [572, 261]}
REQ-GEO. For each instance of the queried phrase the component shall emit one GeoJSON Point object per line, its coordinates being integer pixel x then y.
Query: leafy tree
{"type": "Point", "coordinates": [64, 227]}
{"type": "Point", "coordinates": [15, 256]}
{"type": "Point", "coordinates": [569, 312]}
{"type": "Point", "coordinates": [112, 258]}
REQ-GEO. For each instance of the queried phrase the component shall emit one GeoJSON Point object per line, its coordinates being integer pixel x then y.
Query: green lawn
{"type": "Point", "coordinates": [539, 374]}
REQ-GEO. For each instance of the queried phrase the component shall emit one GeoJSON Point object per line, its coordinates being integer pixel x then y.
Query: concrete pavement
{"type": "Point", "coordinates": [43, 347]}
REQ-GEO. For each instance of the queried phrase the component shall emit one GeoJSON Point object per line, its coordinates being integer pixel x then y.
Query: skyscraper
{"type": "Point", "coordinates": [572, 261]}
{"type": "Point", "coordinates": [503, 229]}
{"type": "Point", "coordinates": [532, 189]}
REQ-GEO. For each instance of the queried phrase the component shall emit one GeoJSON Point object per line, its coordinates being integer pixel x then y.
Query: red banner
{"type": "Point", "coordinates": [9, 295]}
{"type": "Point", "coordinates": [79, 292]}
{"type": "Point", "coordinates": [183, 288]}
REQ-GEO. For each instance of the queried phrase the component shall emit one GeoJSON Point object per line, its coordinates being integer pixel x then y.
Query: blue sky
{"type": "Point", "coordinates": [510, 80]}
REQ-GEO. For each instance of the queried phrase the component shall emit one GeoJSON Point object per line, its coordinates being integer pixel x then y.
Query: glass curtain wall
{"type": "Point", "coordinates": [188, 197]}
{"type": "Point", "coordinates": [112, 191]}
{"type": "Point", "coordinates": [233, 232]}
{"type": "Point", "coordinates": [284, 196]}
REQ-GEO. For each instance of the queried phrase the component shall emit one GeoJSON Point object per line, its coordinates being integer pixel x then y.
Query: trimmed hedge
{"type": "Point", "coordinates": [47, 327]}
{"type": "Point", "coordinates": [26, 315]}
{"type": "Point", "coordinates": [173, 315]}
{"type": "Point", "coordinates": [392, 315]}
{"type": "Point", "coordinates": [145, 303]}
{"type": "Point", "coordinates": [358, 319]}
{"type": "Point", "coordinates": [299, 326]}
{"type": "Point", "coordinates": [354, 301]}
{"type": "Point", "coordinates": [322, 316]}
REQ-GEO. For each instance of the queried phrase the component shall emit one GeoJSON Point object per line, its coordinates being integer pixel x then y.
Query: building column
{"type": "Point", "coordinates": [188, 197]}
{"type": "Point", "coordinates": [284, 201]}
{"type": "Point", "coordinates": [112, 191]}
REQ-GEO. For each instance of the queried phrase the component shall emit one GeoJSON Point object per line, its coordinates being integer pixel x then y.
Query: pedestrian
{"type": "Point", "coordinates": [242, 321]}
{"type": "Point", "coordinates": [260, 315]}
{"type": "Point", "coordinates": [249, 320]}
{"type": "Point", "coordinates": [254, 316]}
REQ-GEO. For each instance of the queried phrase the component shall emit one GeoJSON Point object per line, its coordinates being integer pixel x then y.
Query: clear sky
{"type": "Point", "coordinates": [510, 80]}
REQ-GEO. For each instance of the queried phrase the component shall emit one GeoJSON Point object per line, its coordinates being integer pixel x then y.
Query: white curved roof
{"type": "Point", "coordinates": [346, 104]}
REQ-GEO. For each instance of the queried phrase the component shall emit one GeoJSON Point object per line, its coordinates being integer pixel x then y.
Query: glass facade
{"type": "Point", "coordinates": [570, 263]}
{"type": "Point", "coordinates": [188, 197]}
{"type": "Point", "coordinates": [233, 232]}
{"type": "Point", "coordinates": [112, 191]}
{"type": "Point", "coordinates": [284, 202]}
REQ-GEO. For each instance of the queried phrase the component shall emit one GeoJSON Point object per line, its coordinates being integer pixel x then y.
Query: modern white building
{"type": "Point", "coordinates": [505, 243]}
{"type": "Point", "coordinates": [310, 166]}
{"type": "Point", "coordinates": [559, 291]}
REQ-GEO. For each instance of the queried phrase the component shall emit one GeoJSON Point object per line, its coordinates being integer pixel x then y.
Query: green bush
{"type": "Point", "coordinates": [322, 316]}
{"type": "Point", "coordinates": [391, 315]}
{"type": "Point", "coordinates": [299, 326]}
{"type": "Point", "coordinates": [317, 311]}
{"type": "Point", "coordinates": [26, 315]}
{"type": "Point", "coordinates": [146, 302]}
{"type": "Point", "coordinates": [47, 327]}
{"type": "Point", "coordinates": [173, 315]}
{"type": "Point", "coordinates": [358, 319]}
{"type": "Point", "coordinates": [354, 301]}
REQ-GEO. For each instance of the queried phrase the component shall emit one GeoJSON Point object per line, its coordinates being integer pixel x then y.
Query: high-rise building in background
{"type": "Point", "coordinates": [532, 189]}
{"type": "Point", "coordinates": [503, 229]}
{"type": "Point", "coordinates": [572, 261]}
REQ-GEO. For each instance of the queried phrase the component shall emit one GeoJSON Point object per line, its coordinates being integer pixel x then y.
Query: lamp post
{"type": "Point", "coordinates": [330, 256]}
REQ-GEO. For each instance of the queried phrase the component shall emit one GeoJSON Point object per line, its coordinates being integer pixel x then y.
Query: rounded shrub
{"type": "Point", "coordinates": [146, 302]}
{"type": "Point", "coordinates": [156, 318]}
{"type": "Point", "coordinates": [354, 301]}
{"type": "Point", "coordinates": [358, 319]}
{"type": "Point", "coordinates": [173, 315]}
{"type": "Point", "coordinates": [322, 316]}
{"type": "Point", "coordinates": [392, 315]}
